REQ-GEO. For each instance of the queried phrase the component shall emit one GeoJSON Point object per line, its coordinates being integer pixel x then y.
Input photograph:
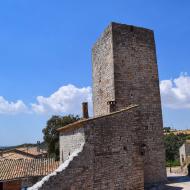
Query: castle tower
{"type": "Point", "coordinates": [124, 73]}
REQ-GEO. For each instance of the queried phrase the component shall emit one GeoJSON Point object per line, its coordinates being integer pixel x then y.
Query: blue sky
{"type": "Point", "coordinates": [46, 45]}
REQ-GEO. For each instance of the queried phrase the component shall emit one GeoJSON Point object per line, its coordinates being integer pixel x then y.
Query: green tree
{"type": "Point", "coordinates": [51, 135]}
{"type": "Point", "coordinates": [172, 144]}
{"type": "Point", "coordinates": [167, 129]}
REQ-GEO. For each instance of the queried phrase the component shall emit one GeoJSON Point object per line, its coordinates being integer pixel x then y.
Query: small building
{"type": "Point", "coordinates": [22, 173]}
{"type": "Point", "coordinates": [184, 152]}
{"type": "Point", "coordinates": [23, 153]}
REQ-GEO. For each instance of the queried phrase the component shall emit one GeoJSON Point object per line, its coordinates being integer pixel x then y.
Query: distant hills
{"type": "Point", "coordinates": [42, 145]}
{"type": "Point", "coordinates": [2, 147]}
{"type": "Point", "coordinates": [6, 147]}
{"type": "Point", "coordinates": [168, 130]}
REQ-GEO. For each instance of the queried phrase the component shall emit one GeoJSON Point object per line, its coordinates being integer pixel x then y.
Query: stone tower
{"type": "Point", "coordinates": [124, 73]}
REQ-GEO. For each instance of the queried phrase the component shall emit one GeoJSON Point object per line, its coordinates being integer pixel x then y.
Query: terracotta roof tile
{"type": "Point", "coordinates": [22, 153]}
{"type": "Point", "coordinates": [32, 150]}
{"type": "Point", "coordinates": [13, 169]}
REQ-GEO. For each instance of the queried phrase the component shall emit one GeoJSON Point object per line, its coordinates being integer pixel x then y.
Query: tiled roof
{"type": "Point", "coordinates": [14, 169]}
{"type": "Point", "coordinates": [22, 152]}
{"type": "Point", "coordinates": [32, 150]}
{"type": "Point", "coordinates": [14, 155]}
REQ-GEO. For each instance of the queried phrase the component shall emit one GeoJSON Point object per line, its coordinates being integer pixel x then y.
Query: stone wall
{"type": "Point", "coordinates": [122, 150]}
{"type": "Point", "coordinates": [12, 185]}
{"type": "Point", "coordinates": [187, 148]}
{"type": "Point", "coordinates": [69, 142]}
{"type": "Point", "coordinates": [103, 72]}
{"type": "Point", "coordinates": [28, 182]}
{"type": "Point", "coordinates": [18, 184]}
{"type": "Point", "coordinates": [184, 153]}
{"type": "Point", "coordinates": [135, 81]}
{"type": "Point", "coordinates": [111, 157]}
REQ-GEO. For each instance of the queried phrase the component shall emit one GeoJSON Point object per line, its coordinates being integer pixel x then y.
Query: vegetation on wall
{"type": "Point", "coordinates": [51, 135]}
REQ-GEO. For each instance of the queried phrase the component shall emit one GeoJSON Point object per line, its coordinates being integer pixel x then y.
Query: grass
{"type": "Point", "coordinates": [173, 163]}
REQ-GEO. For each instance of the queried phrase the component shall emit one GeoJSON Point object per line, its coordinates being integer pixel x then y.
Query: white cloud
{"type": "Point", "coordinates": [176, 93]}
{"type": "Point", "coordinates": [12, 107]}
{"type": "Point", "coordinates": [66, 100]}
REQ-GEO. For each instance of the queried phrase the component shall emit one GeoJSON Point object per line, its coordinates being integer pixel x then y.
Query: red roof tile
{"type": "Point", "coordinates": [14, 169]}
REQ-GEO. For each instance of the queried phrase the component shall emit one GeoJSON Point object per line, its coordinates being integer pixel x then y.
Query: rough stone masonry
{"type": "Point", "coordinates": [123, 143]}
{"type": "Point", "coordinates": [125, 71]}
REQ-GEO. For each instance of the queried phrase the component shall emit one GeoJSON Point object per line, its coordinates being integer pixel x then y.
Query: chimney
{"type": "Point", "coordinates": [85, 110]}
{"type": "Point", "coordinates": [38, 146]}
{"type": "Point", "coordinates": [111, 106]}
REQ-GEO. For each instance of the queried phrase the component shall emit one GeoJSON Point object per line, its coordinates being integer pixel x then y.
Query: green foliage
{"type": "Point", "coordinates": [167, 129]}
{"type": "Point", "coordinates": [172, 144]}
{"type": "Point", "coordinates": [173, 163]}
{"type": "Point", "coordinates": [51, 135]}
